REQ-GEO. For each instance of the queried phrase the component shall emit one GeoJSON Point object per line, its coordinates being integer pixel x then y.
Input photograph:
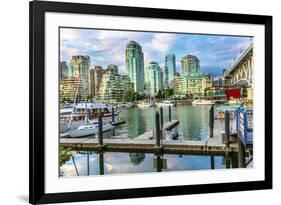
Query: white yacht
{"type": "Point", "coordinates": [203, 102]}
{"type": "Point", "coordinates": [146, 104]}
{"type": "Point", "coordinates": [166, 103]}
{"type": "Point", "coordinates": [90, 129]}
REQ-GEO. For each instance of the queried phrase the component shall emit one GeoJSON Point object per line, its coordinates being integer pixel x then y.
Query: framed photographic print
{"type": "Point", "coordinates": [139, 102]}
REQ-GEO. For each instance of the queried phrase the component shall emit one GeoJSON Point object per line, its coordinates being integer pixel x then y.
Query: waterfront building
{"type": "Point", "coordinates": [169, 70]}
{"type": "Point", "coordinates": [63, 71]}
{"type": "Point", "coordinates": [69, 89]}
{"type": "Point", "coordinates": [113, 87]}
{"type": "Point", "coordinates": [153, 78]}
{"type": "Point", "coordinates": [135, 65]}
{"type": "Point", "coordinates": [96, 74]}
{"type": "Point", "coordinates": [113, 69]}
{"type": "Point", "coordinates": [190, 64]}
{"type": "Point", "coordinates": [80, 66]}
{"type": "Point", "coordinates": [192, 85]}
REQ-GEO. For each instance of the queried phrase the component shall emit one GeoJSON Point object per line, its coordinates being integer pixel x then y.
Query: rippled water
{"type": "Point", "coordinates": [193, 125]}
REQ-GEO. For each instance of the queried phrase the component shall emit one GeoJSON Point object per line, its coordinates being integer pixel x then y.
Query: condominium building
{"type": "Point", "coordinates": [113, 69]}
{"type": "Point", "coordinates": [96, 74]}
{"type": "Point", "coordinates": [153, 79]}
{"type": "Point", "coordinates": [190, 64]}
{"type": "Point", "coordinates": [135, 65]}
{"type": "Point", "coordinates": [169, 70]}
{"type": "Point", "coordinates": [69, 90]}
{"type": "Point", "coordinates": [63, 71]}
{"type": "Point", "coordinates": [113, 87]}
{"type": "Point", "coordinates": [193, 85]}
{"type": "Point", "coordinates": [80, 66]}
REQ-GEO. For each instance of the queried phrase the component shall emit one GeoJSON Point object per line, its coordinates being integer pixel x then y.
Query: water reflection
{"type": "Point", "coordinates": [85, 163]}
{"type": "Point", "coordinates": [193, 121]}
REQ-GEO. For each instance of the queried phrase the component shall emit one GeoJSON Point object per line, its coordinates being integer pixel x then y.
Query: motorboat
{"type": "Point", "coordinates": [203, 102]}
{"type": "Point", "coordinates": [166, 103]}
{"type": "Point", "coordinates": [146, 104]}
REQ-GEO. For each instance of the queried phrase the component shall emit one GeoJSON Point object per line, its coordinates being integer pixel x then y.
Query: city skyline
{"type": "Point", "coordinates": [107, 47]}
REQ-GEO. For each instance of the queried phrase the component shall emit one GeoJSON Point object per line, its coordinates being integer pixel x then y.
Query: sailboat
{"type": "Point", "coordinates": [88, 128]}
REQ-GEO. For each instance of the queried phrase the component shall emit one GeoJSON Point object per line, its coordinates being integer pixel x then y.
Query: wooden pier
{"type": "Point", "coordinates": [222, 140]}
{"type": "Point", "coordinates": [146, 143]}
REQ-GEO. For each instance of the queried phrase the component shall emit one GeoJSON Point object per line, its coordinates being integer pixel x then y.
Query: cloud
{"type": "Point", "coordinates": [108, 47]}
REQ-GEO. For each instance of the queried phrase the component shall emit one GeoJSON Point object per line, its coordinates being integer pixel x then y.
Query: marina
{"type": "Point", "coordinates": [213, 139]}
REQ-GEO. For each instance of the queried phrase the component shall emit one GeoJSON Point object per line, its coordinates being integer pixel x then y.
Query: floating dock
{"type": "Point", "coordinates": [147, 143]}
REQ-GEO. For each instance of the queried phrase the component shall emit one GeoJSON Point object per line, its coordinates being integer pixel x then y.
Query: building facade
{"type": "Point", "coordinates": [80, 66]}
{"type": "Point", "coordinates": [169, 70]}
{"type": "Point", "coordinates": [63, 70]}
{"type": "Point", "coordinates": [193, 85]}
{"type": "Point", "coordinates": [69, 90]}
{"type": "Point", "coordinates": [135, 65]}
{"type": "Point", "coordinates": [190, 64]}
{"type": "Point", "coordinates": [153, 79]}
{"type": "Point", "coordinates": [113, 69]}
{"type": "Point", "coordinates": [96, 75]}
{"type": "Point", "coordinates": [113, 87]}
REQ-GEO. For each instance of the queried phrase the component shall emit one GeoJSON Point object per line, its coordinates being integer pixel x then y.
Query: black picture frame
{"type": "Point", "coordinates": [37, 85]}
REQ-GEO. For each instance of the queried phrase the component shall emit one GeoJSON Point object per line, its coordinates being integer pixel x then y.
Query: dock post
{"type": "Point", "coordinates": [211, 121]}
{"type": "Point", "coordinates": [212, 162]}
{"type": "Point", "coordinates": [170, 113]}
{"type": "Point", "coordinates": [157, 128]}
{"type": "Point", "coordinates": [101, 163]}
{"type": "Point", "coordinates": [88, 164]}
{"type": "Point", "coordinates": [100, 130]}
{"type": "Point", "coordinates": [112, 114]}
{"type": "Point", "coordinates": [241, 154]}
{"type": "Point", "coordinates": [161, 117]}
{"type": "Point", "coordinates": [227, 132]}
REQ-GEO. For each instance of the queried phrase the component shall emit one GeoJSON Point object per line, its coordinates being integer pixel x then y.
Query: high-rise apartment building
{"type": "Point", "coordinates": [190, 64]}
{"type": "Point", "coordinates": [169, 70]}
{"type": "Point", "coordinates": [135, 65]}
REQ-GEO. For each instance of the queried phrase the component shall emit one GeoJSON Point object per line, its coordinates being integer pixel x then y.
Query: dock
{"type": "Point", "coordinates": [146, 143]}
{"type": "Point", "coordinates": [222, 139]}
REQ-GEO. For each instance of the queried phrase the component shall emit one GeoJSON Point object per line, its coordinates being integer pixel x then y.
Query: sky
{"type": "Point", "coordinates": [215, 52]}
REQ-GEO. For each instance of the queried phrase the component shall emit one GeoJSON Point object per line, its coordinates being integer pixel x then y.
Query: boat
{"type": "Point", "coordinates": [94, 108]}
{"type": "Point", "coordinates": [89, 129]}
{"type": "Point", "coordinates": [125, 105]}
{"type": "Point", "coordinates": [203, 102]}
{"type": "Point", "coordinates": [166, 103]}
{"type": "Point", "coordinates": [146, 104]}
{"type": "Point", "coordinates": [233, 102]}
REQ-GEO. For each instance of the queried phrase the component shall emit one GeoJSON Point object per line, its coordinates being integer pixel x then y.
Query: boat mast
{"type": "Point", "coordinates": [75, 98]}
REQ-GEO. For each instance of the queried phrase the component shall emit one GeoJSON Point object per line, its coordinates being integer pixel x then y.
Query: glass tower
{"type": "Point", "coordinates": [153, 78]}
{"type": "Point", "coordinates": [135, 65]}
{"type": "Point", "coordinates": [190, 64]}
{"type": "Point", "coordinates": [170, 70]}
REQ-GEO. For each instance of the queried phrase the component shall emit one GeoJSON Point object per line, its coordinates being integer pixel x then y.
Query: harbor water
{"type": "Point", "coordinates": [193, 126]}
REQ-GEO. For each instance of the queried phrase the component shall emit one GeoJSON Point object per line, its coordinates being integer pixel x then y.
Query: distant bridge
{"type": "Point", "coordinates": [240, 74]}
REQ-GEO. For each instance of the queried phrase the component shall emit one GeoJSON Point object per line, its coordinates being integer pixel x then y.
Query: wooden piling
{"type": "Point", "coordinates": [170, 113]}
{"type": "Point", "coordinates": [100, 130]}
{"type": "Point", "coordinates": [157, 128]}
{"type": "Point", "coordinates": [211, 121]}
{"type": "Point", "coordinates": [161, 117]}
{"type": "Point", "coordinates": [212, 161]}
{"type": "Point", "coordinates": [227, 131]}
{"type": "Point", "coordinates": [101, 163]}
{"type": "Point", "coordinates": [241, 154]}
